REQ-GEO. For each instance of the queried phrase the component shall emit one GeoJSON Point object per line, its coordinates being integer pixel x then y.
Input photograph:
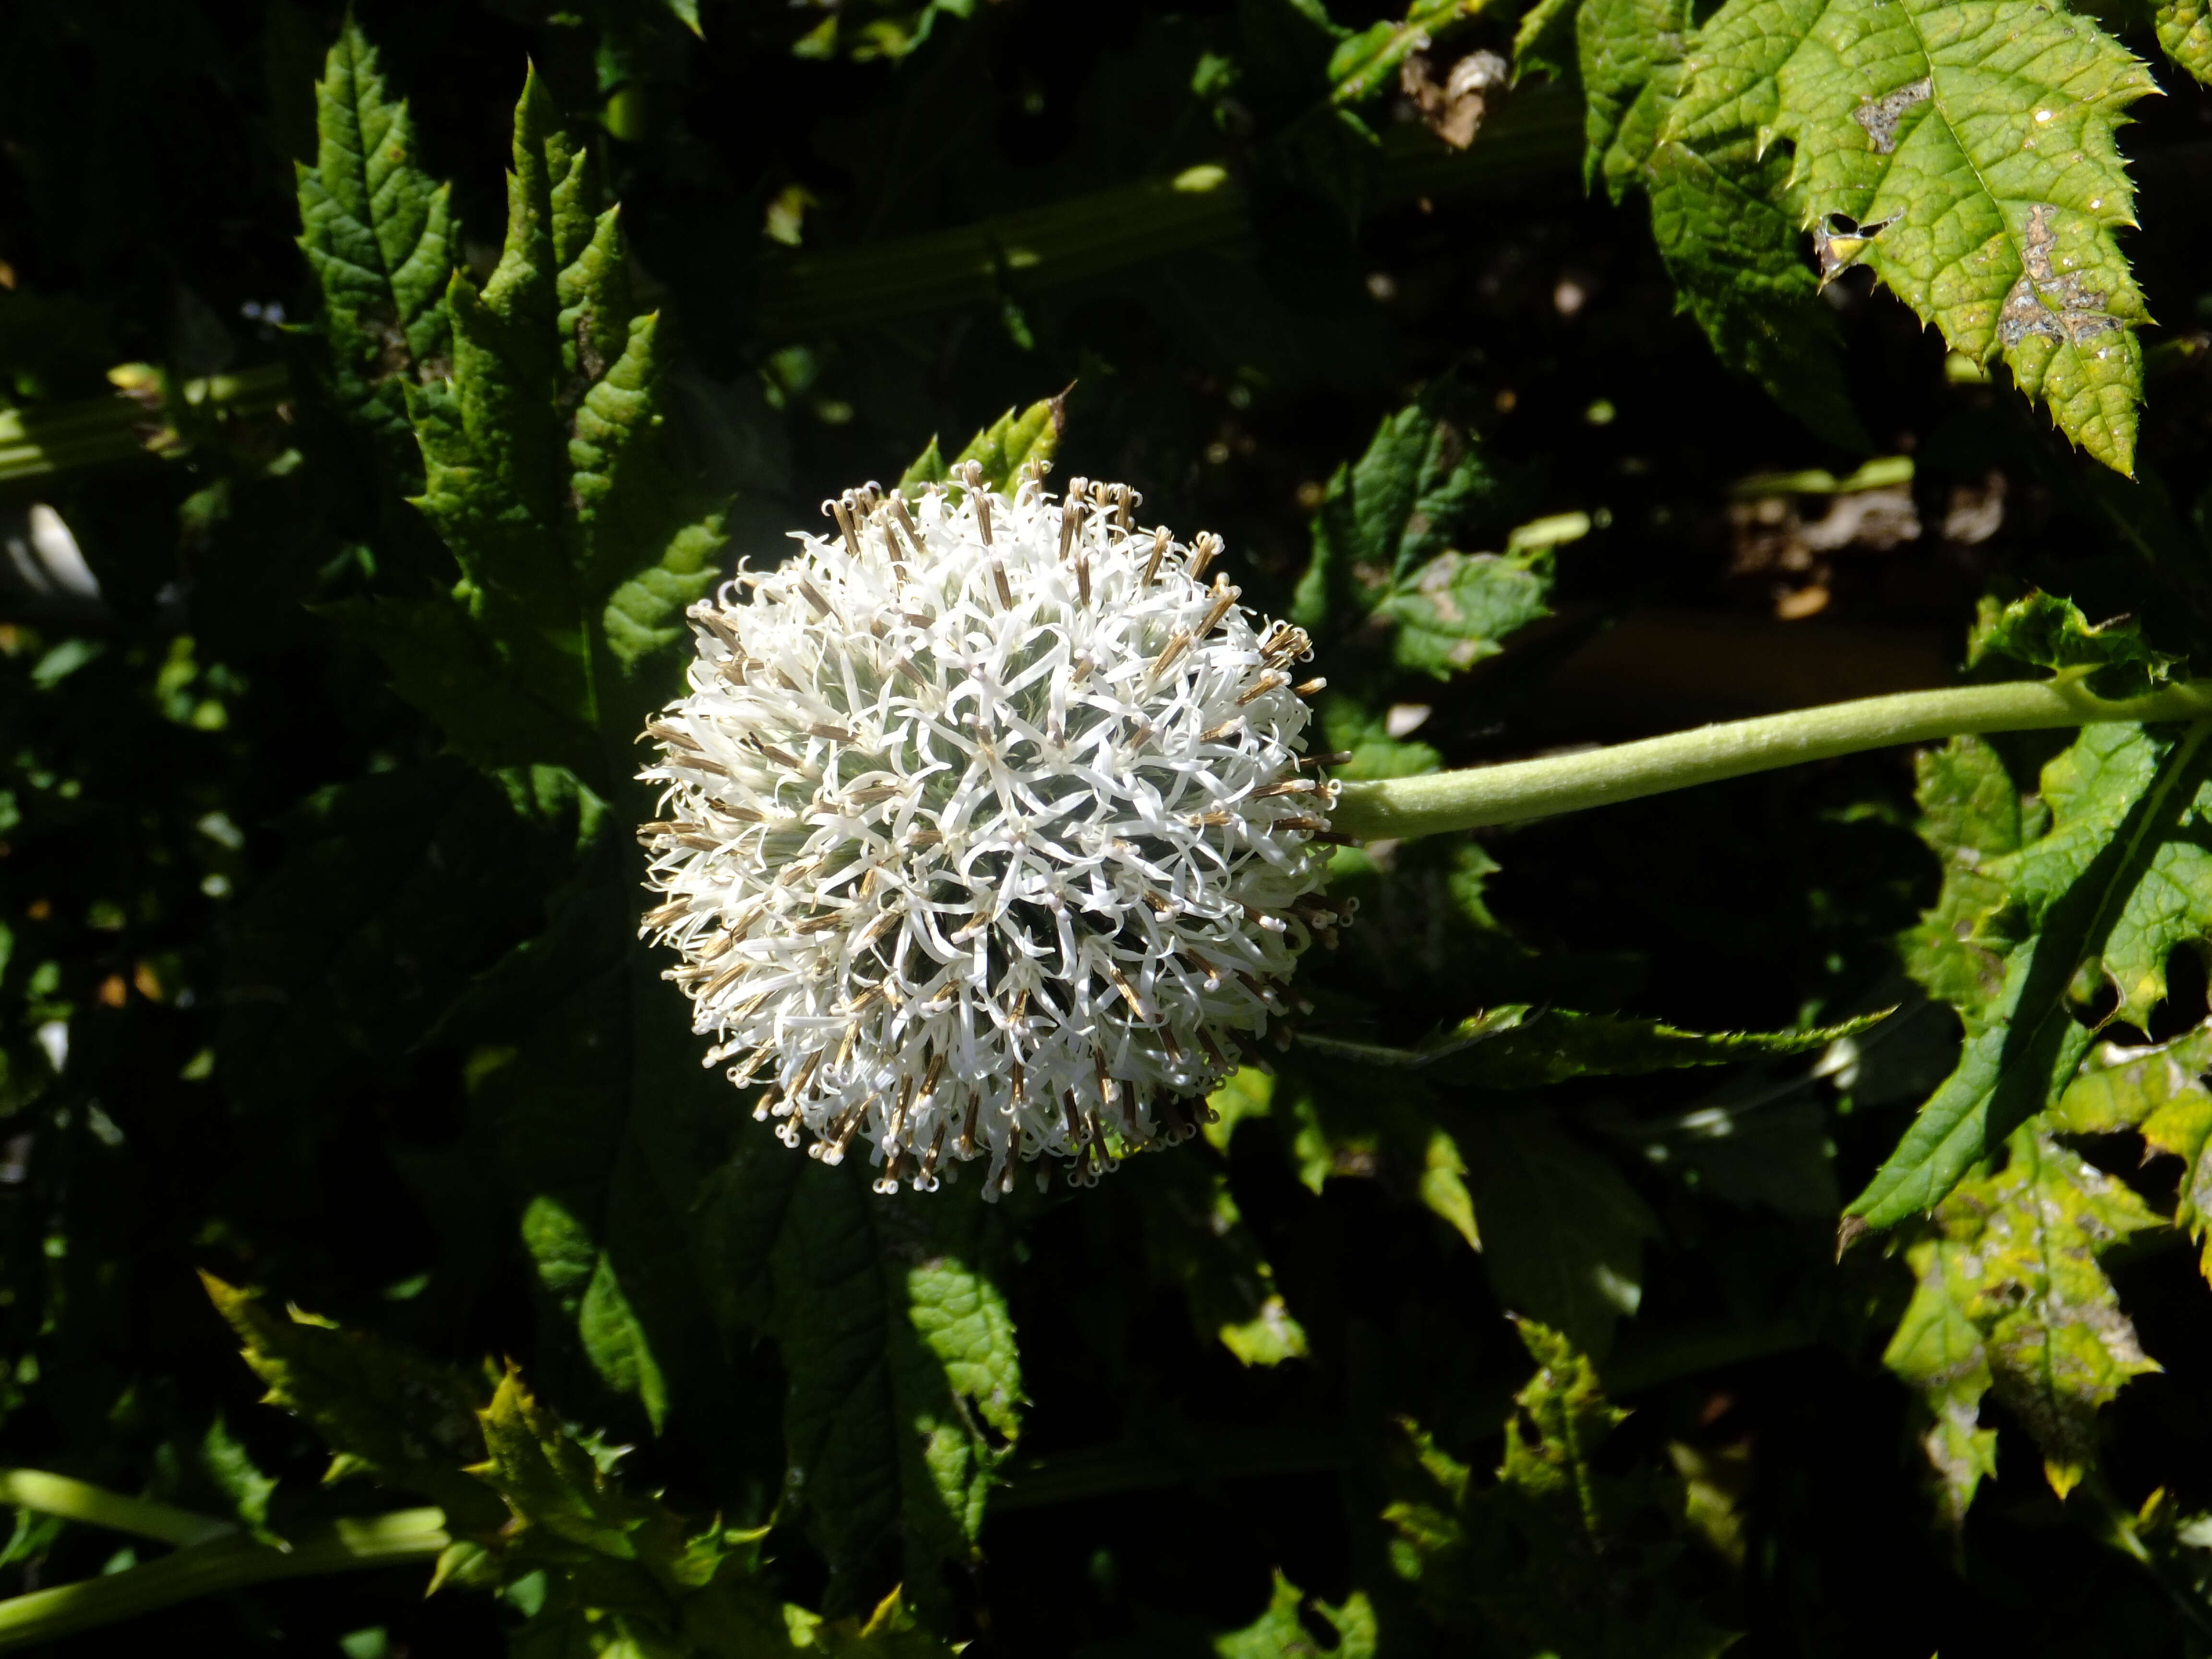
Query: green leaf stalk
{"type": "Point", "coordinates": [1396, 809]}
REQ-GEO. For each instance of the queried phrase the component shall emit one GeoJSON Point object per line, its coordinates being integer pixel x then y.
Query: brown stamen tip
{"type": "Point", "coordinates": [841, 513]}
{"type": "Point", "coordinates": [1224, 597]}
{"type": "Point", "coordinates": [904, 520]}
{"type": "Point", "coordinates": [1203, 547]}
{"type": "Point", "coordinates": [1179, 643]}
{"type": "Point", "coordinates": [1260, 688]}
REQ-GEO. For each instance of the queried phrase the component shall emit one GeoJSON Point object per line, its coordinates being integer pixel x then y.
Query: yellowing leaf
{"type": "Point", "coordinates": [2010, 1298]}
{"type": "Point", "coordinates": [2159, 1092]}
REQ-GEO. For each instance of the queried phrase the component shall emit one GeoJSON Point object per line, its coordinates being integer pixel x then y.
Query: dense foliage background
{"type": "Point", "coordinates": [317, 892]}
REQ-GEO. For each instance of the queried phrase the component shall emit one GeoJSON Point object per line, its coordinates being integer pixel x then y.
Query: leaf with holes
{"type": "Point", "coordinates": [1279, 1632]}
{"type": "Point", "coordinates": [1965, 153]}
{"type": "Point", "coordinates": [2009, 1297]}
{"type": "Point", "coordinates": [2048, 632]}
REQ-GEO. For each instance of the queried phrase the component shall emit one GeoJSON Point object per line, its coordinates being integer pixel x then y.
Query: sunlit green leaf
{"type": "Point", "coordinates": [1279, 1632]}
{"type": "Point", "coordinates": [380, 236]}
{"type": "Point", "coordinates": [2116, 880]}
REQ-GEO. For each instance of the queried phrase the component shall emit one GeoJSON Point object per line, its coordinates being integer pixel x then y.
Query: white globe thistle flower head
{"type": "Point", "coordinates": [988, 832]}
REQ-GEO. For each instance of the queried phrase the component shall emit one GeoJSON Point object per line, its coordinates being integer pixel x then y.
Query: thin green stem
{"type": "Point", "coordinates": [1398, 808]}
{"type": "Point", "coordinates": [96, 1506]}
{"type": "Point", "coordinates": [223, 1563]}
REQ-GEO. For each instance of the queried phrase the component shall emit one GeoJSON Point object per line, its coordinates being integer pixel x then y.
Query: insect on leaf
{"type": "Point", "coordinates": [1965, 153]}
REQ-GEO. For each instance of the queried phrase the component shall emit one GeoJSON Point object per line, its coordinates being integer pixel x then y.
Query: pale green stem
{"type": "Point", "coordinates": [96, 1506]}
{"type": "Point", "coordinates": [1395, 808]}
{"type": "Point", "coordinates": [222, 1564]}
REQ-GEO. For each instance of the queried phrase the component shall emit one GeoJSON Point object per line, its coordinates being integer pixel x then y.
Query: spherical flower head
{"type": "Point", "coordinates": [987, 831]}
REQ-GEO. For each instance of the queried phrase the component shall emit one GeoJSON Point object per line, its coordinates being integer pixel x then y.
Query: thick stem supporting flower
{"type": "Point", "coordinates": [1400, 808]}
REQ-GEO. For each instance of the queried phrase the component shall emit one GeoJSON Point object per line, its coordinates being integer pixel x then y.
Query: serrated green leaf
{"type": "Point", "coordinates": [1631, 56]}
{"type": "Point", "coordinates": [2159, 1092]}
{"type": "Point", "coordinates": [2009, 1297]}
{"type": "Point", "coordinates": [2049, 632]}
{"type": "Point", "coordinates": [1555, 1557]}
{"type": "Point", "coordinates": [1002, 449]}
{"type": "Point", "coordinates": [1966, 153]}
{"type": "Point", "coordinates": [2117, 881]}
{"type": "Point", "coordinates": [1718, 210]}
{"type": "Point", "coordinates": [622, 487]}
{"type": "Point", "coordinates": [410, 1423]}
{"type": "Point", "coordinates": [905, 1380]}
{"type": "Point", "coordinates": [379, 235]}
{"type": "Point", "coordinates": [2185, 29]}
{"type": "Point", "coordinates": [1512, 1047]}
{"type": "Point", "coordinates": [1196, 1238]}
{"type": "Point", "coordinates": [665, 1587]}
{"type": "Point", "coordinates": [1452, 612]}
{"type": "Point", "coordinates": [1562, 1233]}
{"type": "Point", "coordinates": [1386, 515]}
{"type": "Point", "coordinates": [547, 472]}
{"type": "Point", "coordinates": [1972, 812]}
{"type": "Point", "coordinates": [1279, 1632]}
{"type": "Point", "coordinates": [1736, 257]}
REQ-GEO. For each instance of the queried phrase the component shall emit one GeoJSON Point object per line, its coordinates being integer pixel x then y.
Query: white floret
{"type": "Point", "coordinates": [986, 832]}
